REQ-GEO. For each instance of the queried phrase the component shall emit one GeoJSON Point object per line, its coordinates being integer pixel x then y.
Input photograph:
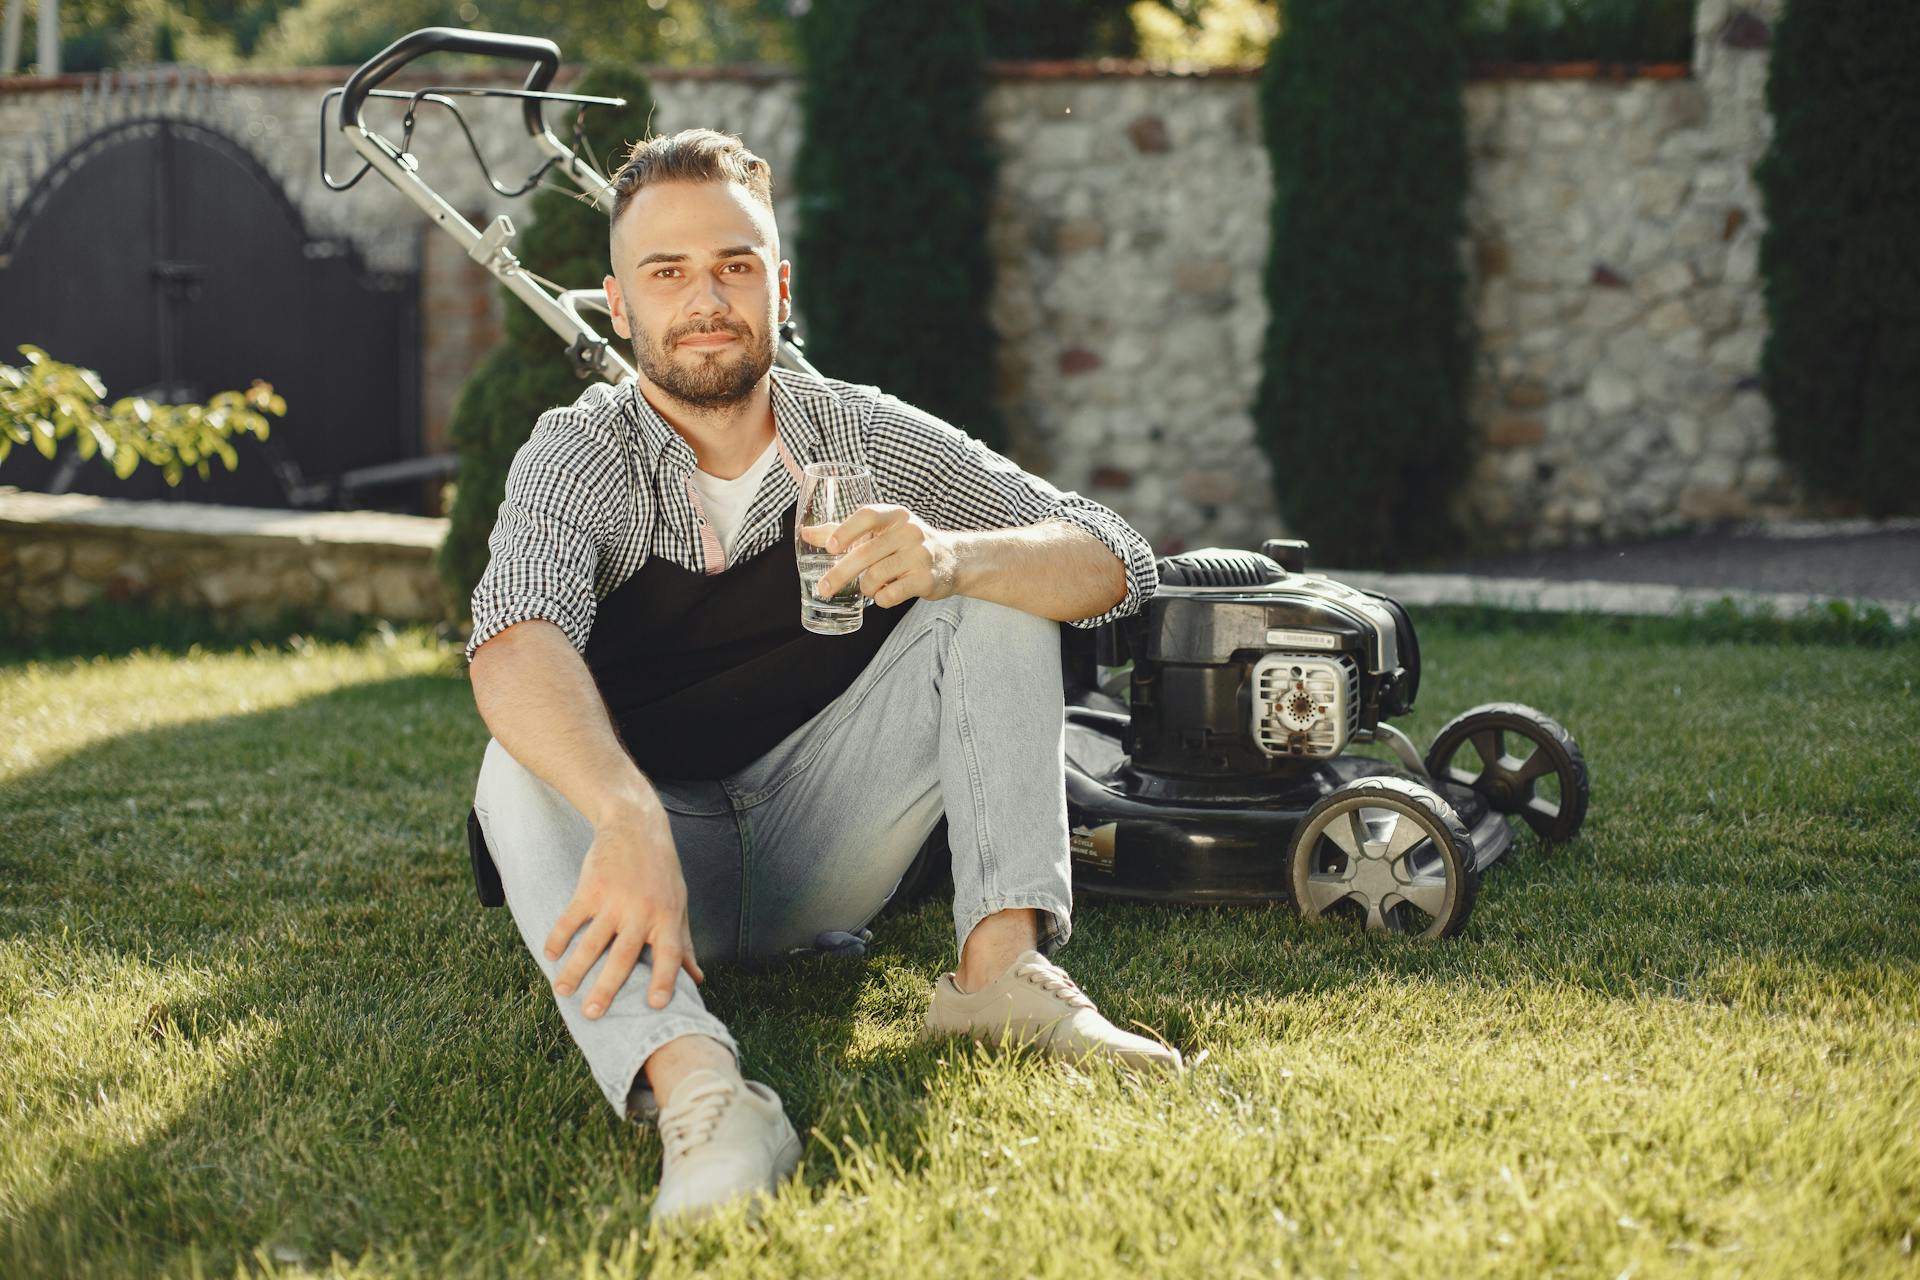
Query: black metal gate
{"type": "Point", "coordinates": [160, 253]}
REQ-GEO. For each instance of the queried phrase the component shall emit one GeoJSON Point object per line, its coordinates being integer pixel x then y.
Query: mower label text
{"type": "Point", "coordinates": [1303, 639]}
{"type": "Point", "coordinates": [1093, 845]}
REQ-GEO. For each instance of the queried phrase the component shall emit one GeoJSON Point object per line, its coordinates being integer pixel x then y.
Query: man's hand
{"type": "Point", "coordinates": [630, 895]}
{"type": "Point", "coordinates": [899, 558]}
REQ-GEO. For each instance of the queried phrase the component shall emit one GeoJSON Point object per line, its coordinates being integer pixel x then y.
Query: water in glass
{"type": "Point", "coordinates": [829, 493]}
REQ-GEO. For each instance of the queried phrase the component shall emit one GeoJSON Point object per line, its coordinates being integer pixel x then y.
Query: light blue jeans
{"type": "Point", "coordinates": [960, 711]}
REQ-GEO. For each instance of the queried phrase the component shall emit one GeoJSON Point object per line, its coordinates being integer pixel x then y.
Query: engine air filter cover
{"type": "Point", "coordinates": [1305, 704]}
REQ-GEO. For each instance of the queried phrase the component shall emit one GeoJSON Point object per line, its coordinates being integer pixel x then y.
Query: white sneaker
{"type": "Point", "coordinates": [725, 1139]}
{"type": "Point", "coordinates": [1035, 1003]}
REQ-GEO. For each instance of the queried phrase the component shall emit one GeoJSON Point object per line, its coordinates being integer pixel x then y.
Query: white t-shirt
{"type": "Point", "coordinates": [726, 501]}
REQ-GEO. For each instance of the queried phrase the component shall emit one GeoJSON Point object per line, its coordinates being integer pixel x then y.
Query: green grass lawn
{"type": "Point", "coordinates": [252, 1019]}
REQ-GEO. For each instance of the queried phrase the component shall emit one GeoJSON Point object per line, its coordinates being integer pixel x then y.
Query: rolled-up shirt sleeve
{"type": "Point", "coordinates": [547, 540]}
{"type": "Point", "coordinates": [954, 481]}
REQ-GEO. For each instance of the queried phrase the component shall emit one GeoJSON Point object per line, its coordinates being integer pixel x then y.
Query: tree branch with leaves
{"type": "Point", "coordinates": [44, 402]}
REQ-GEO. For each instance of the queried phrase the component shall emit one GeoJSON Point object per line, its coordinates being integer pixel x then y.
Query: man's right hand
{"type": "Point", "coordinates": [630, 895]}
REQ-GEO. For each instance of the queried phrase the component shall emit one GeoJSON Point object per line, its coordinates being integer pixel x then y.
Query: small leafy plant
{"type": "Point", "coordinates": [44, 401]}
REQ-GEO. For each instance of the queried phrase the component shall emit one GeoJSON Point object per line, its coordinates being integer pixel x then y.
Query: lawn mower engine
{"type": "Point", "coordinates": [1224, 775]}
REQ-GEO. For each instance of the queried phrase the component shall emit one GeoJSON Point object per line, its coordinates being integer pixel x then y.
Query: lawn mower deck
{"type": "Point", "coordinates": [1215, 849]}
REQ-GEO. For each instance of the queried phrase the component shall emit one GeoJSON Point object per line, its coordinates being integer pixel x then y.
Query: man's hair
{"type": "Point", "coordinates": [692, 155]}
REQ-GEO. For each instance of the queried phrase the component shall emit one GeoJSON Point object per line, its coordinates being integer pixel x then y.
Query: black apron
{"type": "Point", "coordinates": [706, 673]}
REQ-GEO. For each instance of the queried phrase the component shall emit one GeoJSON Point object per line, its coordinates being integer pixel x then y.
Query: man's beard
{"type": "Point", "coordinates": [712, 381]}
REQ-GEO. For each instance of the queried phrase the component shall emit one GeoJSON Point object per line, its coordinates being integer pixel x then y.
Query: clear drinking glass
{"type": "Point", "coordinates": [829, 493]}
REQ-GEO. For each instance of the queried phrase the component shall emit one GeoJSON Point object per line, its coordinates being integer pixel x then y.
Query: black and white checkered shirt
{"type": "Point", "coordinates": [603, 483]}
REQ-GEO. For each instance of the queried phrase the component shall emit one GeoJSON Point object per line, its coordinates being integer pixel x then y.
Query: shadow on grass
{"type": "Point", "coordinates": [104, 628]}
{"type": "Point", "coordinates": [265, 1011]}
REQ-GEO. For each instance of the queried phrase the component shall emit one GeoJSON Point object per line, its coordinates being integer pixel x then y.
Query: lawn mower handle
{"type": "Point", "coordinates": [544, 54]}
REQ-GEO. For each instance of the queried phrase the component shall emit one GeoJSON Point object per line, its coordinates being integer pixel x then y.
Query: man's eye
{"type": "Point", "coordinates": [664, 270]}
{"type": "Point", "coordinates": [743, 266]}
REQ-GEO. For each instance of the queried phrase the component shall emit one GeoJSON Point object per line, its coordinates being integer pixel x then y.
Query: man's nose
{"type": "Point", "coordinates": [708, 298]}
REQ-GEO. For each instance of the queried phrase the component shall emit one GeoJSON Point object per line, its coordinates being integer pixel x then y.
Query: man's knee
{"type": "Point", "coordinates": [1003, 627]}
{"type": "Point", "coordinates": [505, 786]}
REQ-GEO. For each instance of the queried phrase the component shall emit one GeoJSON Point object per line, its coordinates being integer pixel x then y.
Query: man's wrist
{"type": "Point", "coordinates": [634, 802]}
{"type": "Point", "coordinates": [972, 556]}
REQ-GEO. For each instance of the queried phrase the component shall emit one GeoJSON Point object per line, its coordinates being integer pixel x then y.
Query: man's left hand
{"type": "Point", "coordinates": [895, 555]}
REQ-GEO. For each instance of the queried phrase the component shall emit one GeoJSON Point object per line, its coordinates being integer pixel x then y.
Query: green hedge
{"type": "Point", "coordinates": [1362, 404]}
{"type": "Point", "coordinates": [891, 267]}
{"type": "Point", "coordinates": [1841, 186]}
{"type": "Point", "coordinates": [1580, 30]}
{"type": "Point", "coordinates": [566, 242]}
{"type": "Point", "coordinates": [1059, 28]}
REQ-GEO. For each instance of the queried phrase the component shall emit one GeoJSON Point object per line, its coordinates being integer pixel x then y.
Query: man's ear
{"type": "Point", "coordinates": [786, 290]}
{"type": "Point", "coordinates": [616, 305]}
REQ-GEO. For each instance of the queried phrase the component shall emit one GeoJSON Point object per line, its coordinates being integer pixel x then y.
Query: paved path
{"type": "Point", "coordinates": [1785, 567]}
{"type": "Point", "coordinates": [1848, 561]}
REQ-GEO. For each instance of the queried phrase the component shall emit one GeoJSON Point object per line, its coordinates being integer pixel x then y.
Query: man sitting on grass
{"type": "Point", "coordinates": [678, 769]}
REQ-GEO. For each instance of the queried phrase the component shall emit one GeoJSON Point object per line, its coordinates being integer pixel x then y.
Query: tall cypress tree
{"type": "Point", "coordinates": [892, 270]}
{"type": "Point", "coordinates": [1362, 403]}
{"type": "Point", "coordinates": [1841, 182]}
{"type": "Point", "coordinates": [529, 373]}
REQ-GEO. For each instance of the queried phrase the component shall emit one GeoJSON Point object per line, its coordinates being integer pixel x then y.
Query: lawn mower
{"type": "Point", "coordinates": [1207, 735]}
{"type": "Point", "coordinates": [1224, 776]}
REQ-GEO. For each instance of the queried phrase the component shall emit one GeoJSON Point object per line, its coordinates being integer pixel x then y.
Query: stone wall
{"type": "Point", "coordinates": [1614, 239]}
{"type": "Point", "coordinates": [61, 552]}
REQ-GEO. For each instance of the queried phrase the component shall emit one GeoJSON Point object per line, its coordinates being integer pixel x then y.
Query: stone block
{"type": "Point", "coordinates": [353, 595]}
{"type": "Point", "coordinates": [1688, 345]}
{"type": "Point", "coordinates": [397, 593]}
{"type": "Point", "coordinates": [1491, 257]}
{"type": "Point", "coordinates": [1609, 392]}
{"type": "Point", "coordinates": [1582, 480]}
{"type": "Point", "coordinates": [298, 587]}
{"type": "Point", "coordinates": [75, 592]}
{"type": "Point", "coordinates": [1699, 502]}
{"type": "Point", "coordinates": [1527, 393]}
{"type": "Point", "coordinates": [1641, 438]}
{"type": "Point", "coordinates": [234, 584]}
{"type": "Point", "coordinates": [38, 598]}
{"type": "Point", "coordinates": [1076, 235]}
{"type": "Point", "coordinates": [1663, 281]}
{"type": "Point", "coordinates": [1658, 193]}
{"type": "Point", "coordinates": [1207, 276]}
{"type": "Point", "coordinates": [1683, 105]}
{"type": "Point", "coordinates": [1762, 476]}
{"type": "Point", "coordinates": [1515, 430]}
{"type": "Point", "coordinates": [1743, 261]}
{"type": "Point", "coordinates": [1104, 477]}
{"type": "Point", "coordinates": [1717, 310]}
{"type": "Point", "coordinates": [1562, 133]}
{"type": "Point", "coordinates": [1149, 135]}
{"type": "Point", "coordinates": [1669, 318]}
{"type": "Point", "coordinates": [1738, 352]}
{"type": "Point", "coordinates": [1754, 417]}
{"type": "Point", "coordinates": [95, 559]}
{"type": "Point", "coordinates": [1059, 143]}
{"type": "Point", "coordinates": [42, 560]}
{"type": "Point", "coordinates": [1534, 308]}
{"type": "Point", "coordinates": [1076, 360]}
{"type": "Point", "coordinates": [1691, 232]}
{"type": "Point", "coordinates": [1210, 487]}
{"type": "Point", "coordinates": [1608, 309]}
{"type": "Point", "coordinates": [1746, 30]}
